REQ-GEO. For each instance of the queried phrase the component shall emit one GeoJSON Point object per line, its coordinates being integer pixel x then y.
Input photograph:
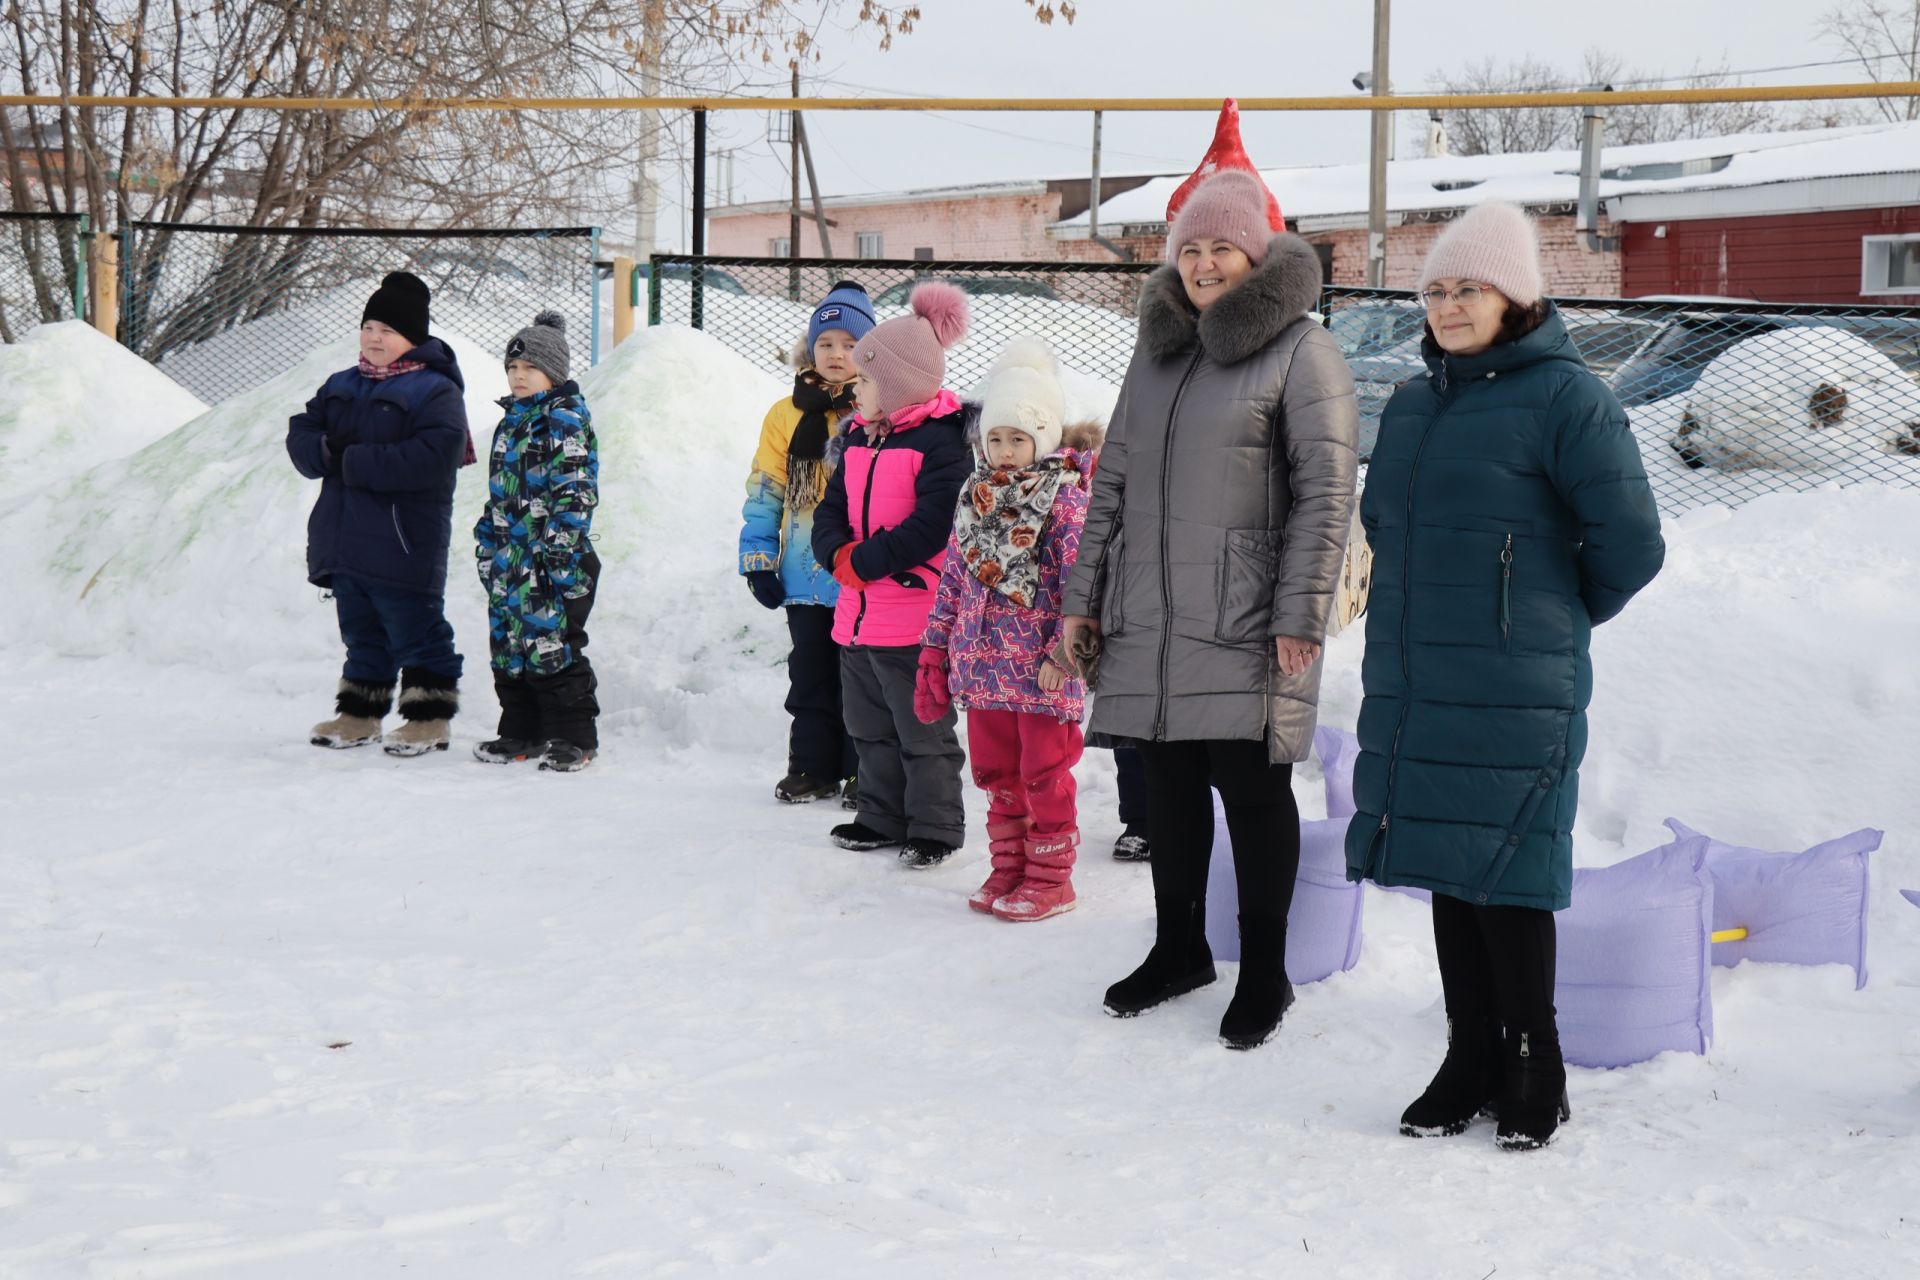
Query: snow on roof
{"type": "Point", "coordinates": [1338, 192]}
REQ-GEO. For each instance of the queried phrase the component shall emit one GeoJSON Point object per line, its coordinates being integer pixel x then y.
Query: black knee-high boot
{"type": "Point", "coordinates": [1468, 1081]}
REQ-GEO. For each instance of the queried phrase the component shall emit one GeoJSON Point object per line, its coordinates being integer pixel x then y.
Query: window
{"type": "Point", "coordinates": [869, 244]}
{"type": "Point", "coordinates": [780, 247]}
{"type": "Point", "coordinates": [1890, 264]}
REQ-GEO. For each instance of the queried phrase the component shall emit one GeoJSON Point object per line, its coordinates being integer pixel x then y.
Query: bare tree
{"type": "Point", "coordinates": [1884, 36]}
{"type": "Point", "coordinates": [1500, 131]}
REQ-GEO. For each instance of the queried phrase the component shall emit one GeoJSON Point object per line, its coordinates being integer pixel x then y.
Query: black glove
{"type": "Point", "coordinates": [333, 452]}
{"type": "Point", "coordinates": [766, 588]}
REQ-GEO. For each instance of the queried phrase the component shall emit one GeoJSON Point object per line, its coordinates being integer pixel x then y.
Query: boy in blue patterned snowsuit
{"type": "Point", "coordinates": [535, 559]}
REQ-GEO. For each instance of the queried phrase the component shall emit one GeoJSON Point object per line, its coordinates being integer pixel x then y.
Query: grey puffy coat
{"type": "Point", "coordinates": [1220, 511]}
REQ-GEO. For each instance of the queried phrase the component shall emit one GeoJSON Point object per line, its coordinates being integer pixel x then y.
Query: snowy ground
{"type": "Point", "coordinates": [271, 1011]}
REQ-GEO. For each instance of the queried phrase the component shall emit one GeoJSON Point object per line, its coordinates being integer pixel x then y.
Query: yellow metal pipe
{"type": "Point", "coordinates": [1729, 935]}
{"type": "Point", "coordinates": [1356, 102]}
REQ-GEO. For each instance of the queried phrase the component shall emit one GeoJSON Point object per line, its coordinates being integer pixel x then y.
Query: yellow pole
{"type": "Point", "coordinates": [1340, 102]}
{"type": "Point", "coordinates": [622, 300]}
{"type": "Point", "coordinates": [103, 282]}
{"type": "Point", "coordinates": [1729, 935]}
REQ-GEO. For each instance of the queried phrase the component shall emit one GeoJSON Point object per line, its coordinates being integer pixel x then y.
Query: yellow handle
{"type": "Point", "coordinates": [1729, 935]}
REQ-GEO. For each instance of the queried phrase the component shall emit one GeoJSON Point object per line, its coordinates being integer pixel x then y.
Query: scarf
{"type": "Point", "coordinates": [381, 372]}
{"type": "Point", "coordinates": [1002, 515]}
{"type": "Point", "coordinates": [808, 467]}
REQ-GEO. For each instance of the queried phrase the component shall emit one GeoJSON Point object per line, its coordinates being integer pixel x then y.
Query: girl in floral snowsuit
{"type": "Point", "coordinates": [995, 620]}
{"type": "Point", "coordinates": [535, 561]}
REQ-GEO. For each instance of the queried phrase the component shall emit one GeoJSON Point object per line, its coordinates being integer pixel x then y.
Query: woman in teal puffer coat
{"type": "Point", "coordinates": [1509, 513]}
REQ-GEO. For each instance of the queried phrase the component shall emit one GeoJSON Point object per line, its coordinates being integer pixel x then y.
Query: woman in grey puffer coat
{"type": "Point", "coordinates": [1208, 565]}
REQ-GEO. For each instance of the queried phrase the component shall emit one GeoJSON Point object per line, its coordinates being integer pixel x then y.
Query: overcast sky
{"type": "Point", "coordinates": [1210, 48]}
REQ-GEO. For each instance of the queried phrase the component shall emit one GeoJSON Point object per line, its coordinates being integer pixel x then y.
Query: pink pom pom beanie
{"type": "Point", "coordinates": [1490, 244]}
{"type": "Point", "coordinates": [907, 356]}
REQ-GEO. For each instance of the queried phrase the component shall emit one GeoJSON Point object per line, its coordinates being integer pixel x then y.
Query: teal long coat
{"type": "Point", "coordinates": [1509, 512]}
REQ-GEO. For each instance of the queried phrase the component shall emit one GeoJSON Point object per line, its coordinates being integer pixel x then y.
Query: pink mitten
{"type": "Point", "coordinates": [931, 697]}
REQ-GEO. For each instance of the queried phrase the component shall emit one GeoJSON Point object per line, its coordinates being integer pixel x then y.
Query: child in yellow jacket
{"type": "Point", "coordinates": [799, 449]}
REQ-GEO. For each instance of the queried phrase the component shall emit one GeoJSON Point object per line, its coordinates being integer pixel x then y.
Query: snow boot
{"type": "Point", "coordinates": [1179, 961]}
{"type": "Point", "coordinates": [920, 853]}
{"type": "Point", "coordinates": [850, 797]}
{"type": "Point", "coordinates": [1263, 995]}
{"type": "Point", "coordinates": [1008, 851]}
{"type": "Point", "coordinates": [506, 750]}
{"type": "Point", "coordinates": [564, 757]}
{"type": "Point", "coordinates": [1133, 846]}
{"type": "Point", "coordinates": [428, 701]}
{"type": "Point", "coordinates": [358, 708]}
{"type": "Point", "coordinates": [1533, 1093]}
{"type": "Point", "coordinates": [804, 788]}
{"type": "Point", "coordinates": [1047, 889]}
{"type": "Point", "coordinates": [860, 836]}
{"type": "Point", "coordinates": [1465, 1087]}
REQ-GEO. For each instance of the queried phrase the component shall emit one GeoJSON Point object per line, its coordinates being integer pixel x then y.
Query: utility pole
{"type": "Point", "coordinates": [793, 167]}
{"type": "Point", "coordinates": [1093, 187]}
{"type": "Point", "coordinates": [813, 186]}
{"type": "Point", "coordinates": [646, 188]}
{"type": "Point", "coordinates": [1377, 157]}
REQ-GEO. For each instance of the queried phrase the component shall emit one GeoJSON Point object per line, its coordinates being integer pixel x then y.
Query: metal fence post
{"type": "Point", "coordinates": [653, 291]}
{"type": "Point", "coordinates": [80, 270]}
{"type": "Point", "coordinates": [593, 282]}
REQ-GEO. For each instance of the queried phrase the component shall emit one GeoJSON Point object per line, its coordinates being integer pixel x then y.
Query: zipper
{"type": "Point", "coordinates": [1166, 572]}
{"type": "Point", "coordinates": [394, 511]}
{"type": "Point", "coordinates": [866, 518]}
{"type": "Point", "coordinates": [1526, 1049]}
{"type": "Point", "coordinates": [1506, 596]}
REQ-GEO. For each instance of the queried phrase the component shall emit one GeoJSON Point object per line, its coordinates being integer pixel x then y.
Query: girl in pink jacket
{"type": "Point", "coordinates": [882, 527]}
{"type": "Point", "coordinates": [995, 622]}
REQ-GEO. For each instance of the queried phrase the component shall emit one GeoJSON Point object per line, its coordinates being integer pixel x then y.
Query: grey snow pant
{"type": "Point", "coordinates": [909, 772]}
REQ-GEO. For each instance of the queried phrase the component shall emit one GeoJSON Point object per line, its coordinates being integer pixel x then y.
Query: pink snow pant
{"type": "Point", "coordinates": [1025, 765]}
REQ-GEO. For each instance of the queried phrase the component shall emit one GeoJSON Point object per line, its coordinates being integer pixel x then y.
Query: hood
{"type": "Point", "coordinates": [439, 357]}
{"type": "Point", "coordinates": [1283, 288]}
{"type": "Point", "coordinates": [568, 390]}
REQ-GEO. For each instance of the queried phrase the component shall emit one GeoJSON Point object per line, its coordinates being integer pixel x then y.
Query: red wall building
{"type": "Point", "coordinates": [1790, 257]}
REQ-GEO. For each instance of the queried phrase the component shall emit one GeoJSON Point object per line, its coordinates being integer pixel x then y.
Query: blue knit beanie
{"type": "Point", "coordinates": [845, 307]}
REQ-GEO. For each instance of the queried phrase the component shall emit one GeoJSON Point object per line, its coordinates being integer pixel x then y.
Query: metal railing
{"type": "Point", "coordinates": [223, 309]}
{"type": "Point", "coordinates": [43, 270]}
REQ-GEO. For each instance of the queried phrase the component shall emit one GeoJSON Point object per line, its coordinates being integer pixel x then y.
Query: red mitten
{"type": "Point", "coordinates": [932, 699]}
{"type": "Point", "coordinates": [843, 569]}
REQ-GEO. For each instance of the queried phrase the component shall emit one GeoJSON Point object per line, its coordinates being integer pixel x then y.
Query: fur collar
{"type": "Point", "coordinates": [1247, 317]}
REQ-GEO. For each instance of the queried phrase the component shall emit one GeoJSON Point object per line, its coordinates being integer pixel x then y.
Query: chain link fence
{"type": "Point", "coordinates": [759, 306]}
{"type": "Point", "coordinates": [1728, 400]}
{"type": "Point", "coordinates": [224, 309]}
{"type": "Point", "coordinates": [42, 270]}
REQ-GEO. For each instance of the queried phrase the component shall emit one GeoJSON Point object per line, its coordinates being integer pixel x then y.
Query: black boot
{"type": "Point", "coordinates": [1263, 995]}
{"type": "Point", "coordinates": [1466, 1085]}
{"type": "Point", "coordinates": [804, 788]}
{"type": "Point", "coordinates": [1533, 1095]}
{"type": "Point", "coordinates": [1179, 962]}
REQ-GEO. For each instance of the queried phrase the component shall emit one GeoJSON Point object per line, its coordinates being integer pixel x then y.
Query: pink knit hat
{"type": "Point", "coordinates": [906, 356]}
{"type": "Point", "coordinates": [1491, 243]}
{"type": "Point", "coordinates": [1232, 204]}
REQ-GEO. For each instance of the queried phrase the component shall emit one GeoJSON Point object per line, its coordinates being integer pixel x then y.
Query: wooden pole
{"type": "Point", "coordinates": [813, 186]}
{"type": "Point", "coordinates": [622, 299]}
{"type": "Point", "coordinates": [103, 282]}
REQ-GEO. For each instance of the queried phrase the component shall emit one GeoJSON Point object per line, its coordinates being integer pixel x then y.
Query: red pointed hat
{"type": "Point", "coordinates": [1226, 152]}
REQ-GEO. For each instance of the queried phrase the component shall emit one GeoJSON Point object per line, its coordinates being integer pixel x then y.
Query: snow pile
{"type": "Point", "coordinates": [74, 397]}
{"type": "Point", "coordinates": [1802, 399]}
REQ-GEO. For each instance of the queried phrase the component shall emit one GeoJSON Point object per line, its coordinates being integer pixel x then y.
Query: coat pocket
{"type": "Point", "coordinates": [1506, 596]}
{"type": "Point", "coordinates": [398, 532]}
{"type": "Point", "coordinates": [1247, 579]}
{"type": "Point", "coordinates": [1113, 598]}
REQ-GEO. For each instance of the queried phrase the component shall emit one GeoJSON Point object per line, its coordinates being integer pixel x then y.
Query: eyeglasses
{"type": "Point", "coordinates": [1466, 295]}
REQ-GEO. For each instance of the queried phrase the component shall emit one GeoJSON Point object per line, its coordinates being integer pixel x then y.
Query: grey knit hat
{"type": "Point", "coordinates": [543, 344]}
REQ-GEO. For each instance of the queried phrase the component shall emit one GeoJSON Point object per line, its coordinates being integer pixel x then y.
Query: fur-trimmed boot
{"type": "Point", "coordinates": [1533, 1093]}
{"type": "Point", "coordinates": [1008, 849]}
{"type": "Point", "coordinates": [428, 701]}
{"type": "Point", "coordinates": [1046, 889]}
{"type": "Point", "coordinates": [359, 708]}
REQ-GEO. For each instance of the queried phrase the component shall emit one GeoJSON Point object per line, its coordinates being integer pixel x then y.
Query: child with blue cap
{"type": "Point", "coordinates": [799, 448]}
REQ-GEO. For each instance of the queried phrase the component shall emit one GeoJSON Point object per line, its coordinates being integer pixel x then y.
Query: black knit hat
{"type": "Point", "coordinates": [400, 303]}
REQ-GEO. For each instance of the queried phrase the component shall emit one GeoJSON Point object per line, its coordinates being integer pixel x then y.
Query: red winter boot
{"type": "Point", "coordinates": [1009, 851]}
{"type": "Point", "coordinates": [1047, 889]}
